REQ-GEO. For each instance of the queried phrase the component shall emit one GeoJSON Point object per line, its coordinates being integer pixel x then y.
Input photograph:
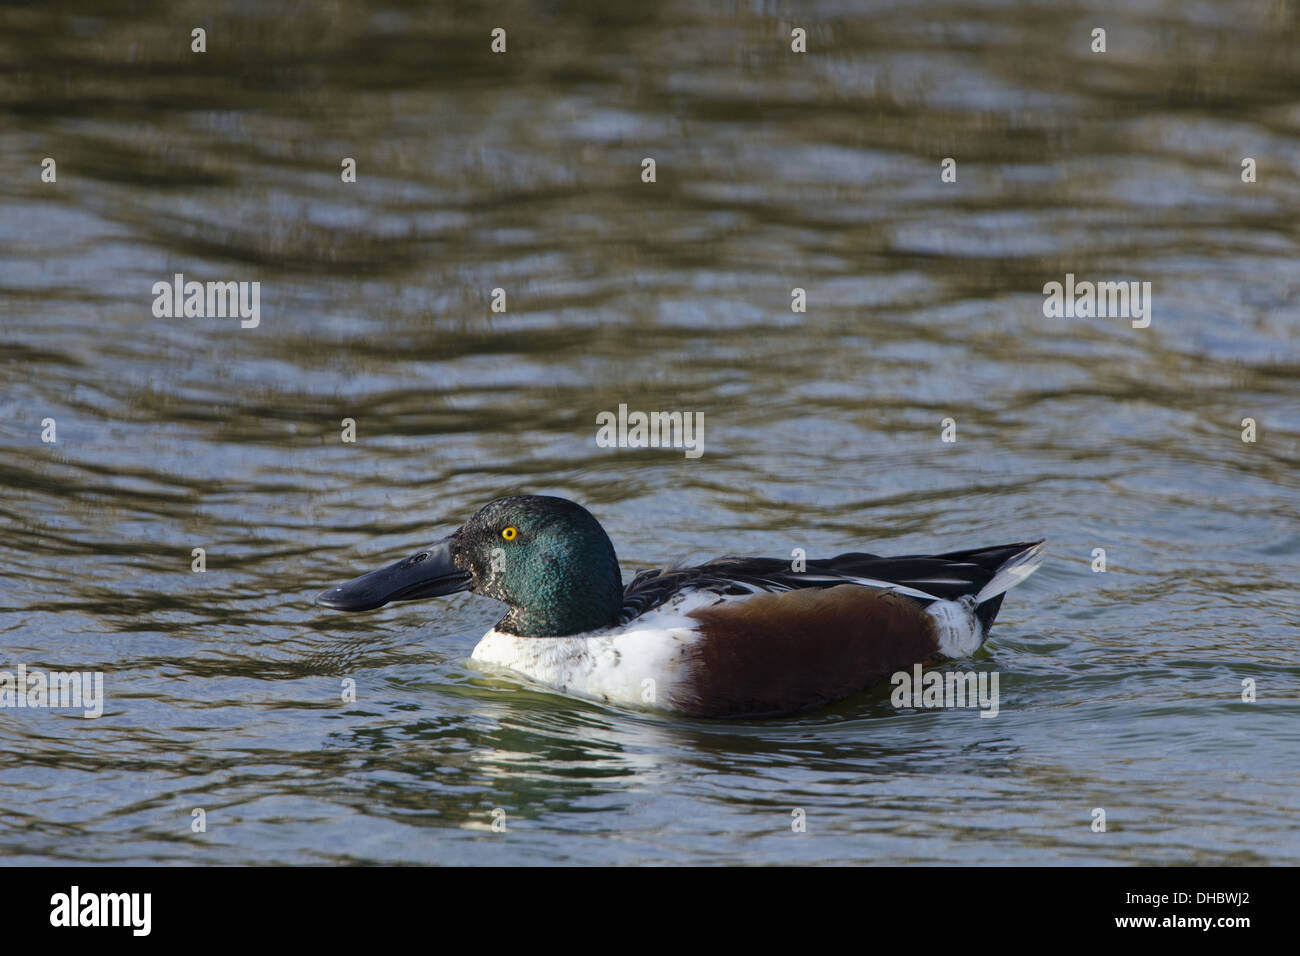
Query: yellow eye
{"type": "Point", "coordinates": [509, 533]}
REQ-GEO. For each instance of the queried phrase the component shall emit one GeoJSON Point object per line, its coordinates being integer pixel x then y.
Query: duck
{"type": "Point", "coordinates": [735, 637]}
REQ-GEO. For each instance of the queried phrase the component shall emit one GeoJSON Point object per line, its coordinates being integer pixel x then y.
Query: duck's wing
{"type": "Point", "coordinates": [926, 578]}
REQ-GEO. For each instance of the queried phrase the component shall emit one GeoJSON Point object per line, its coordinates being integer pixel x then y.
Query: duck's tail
{"type": "Point", "coordinates": [963, 623]}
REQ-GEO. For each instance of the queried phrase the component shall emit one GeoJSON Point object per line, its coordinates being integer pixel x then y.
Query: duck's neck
{"type": "Point", "coordinates": [570, 601]}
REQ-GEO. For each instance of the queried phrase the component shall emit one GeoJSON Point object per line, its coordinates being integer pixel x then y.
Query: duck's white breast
{"type": "Point", "coordinates": [643, 664]}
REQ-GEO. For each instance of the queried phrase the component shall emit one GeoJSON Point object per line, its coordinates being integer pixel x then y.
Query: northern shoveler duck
{"type": "Point", "coordinates": [736, 637]}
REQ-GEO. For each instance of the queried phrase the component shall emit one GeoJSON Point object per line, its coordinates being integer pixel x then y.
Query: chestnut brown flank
{"type": "Point", "coordinates": [795, 650]}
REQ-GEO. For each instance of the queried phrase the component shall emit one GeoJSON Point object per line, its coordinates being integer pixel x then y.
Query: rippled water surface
{"type": "Point", "coordinates": [522, 171]}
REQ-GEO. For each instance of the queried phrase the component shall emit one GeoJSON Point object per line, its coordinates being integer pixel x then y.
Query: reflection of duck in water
{"type": "Point", "coordinates": [730, 638]}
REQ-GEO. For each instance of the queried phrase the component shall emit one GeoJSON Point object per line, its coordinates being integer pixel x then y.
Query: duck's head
{"type": "Point", "coordinates": [547, 558]}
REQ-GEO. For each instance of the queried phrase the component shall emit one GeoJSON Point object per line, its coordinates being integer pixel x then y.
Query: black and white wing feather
{"type": "Point", "coordinates": [926, 578]}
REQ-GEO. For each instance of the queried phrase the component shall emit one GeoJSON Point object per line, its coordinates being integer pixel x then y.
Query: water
{"type": "Point", "coordinates": [1120, 690]}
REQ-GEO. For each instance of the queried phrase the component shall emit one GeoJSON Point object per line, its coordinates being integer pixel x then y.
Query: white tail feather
{"type": "Point", "coordinates": [1012, 573]}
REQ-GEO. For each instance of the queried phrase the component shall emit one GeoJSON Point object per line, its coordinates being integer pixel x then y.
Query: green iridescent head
{"type": "Point", "coordinates": [547, 558]}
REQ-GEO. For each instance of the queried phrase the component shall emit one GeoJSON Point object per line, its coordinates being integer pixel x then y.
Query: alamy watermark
{"type": "Point", "coordinates": [946, 689]}
{"type": "Point", "coordinates": [53, 690]}
{"type": "Point", "coordinates": [210, 300]}
{"type": "Point", "coordinates": [1084, 300]}
{"type": "Point", "coordinates": [75, 908]}
{"type": "Point", "coordinates": [651, 430]}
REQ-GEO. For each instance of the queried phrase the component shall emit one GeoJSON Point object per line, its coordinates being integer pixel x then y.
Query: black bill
{"type": "Point", "coordinates": [427, 573]}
